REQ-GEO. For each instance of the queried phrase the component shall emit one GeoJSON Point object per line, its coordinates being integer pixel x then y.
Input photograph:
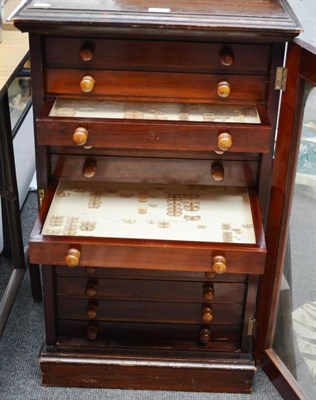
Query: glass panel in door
{"type": "Point", "coordinates": [295, 332]}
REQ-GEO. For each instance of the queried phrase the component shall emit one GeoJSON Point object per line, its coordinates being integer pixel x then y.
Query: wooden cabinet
{"type": "Point", "coordinates": [155, 132]}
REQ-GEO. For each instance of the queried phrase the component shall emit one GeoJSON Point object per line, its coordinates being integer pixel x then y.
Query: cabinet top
{"type": "Point", "coordinates": [263, 19]}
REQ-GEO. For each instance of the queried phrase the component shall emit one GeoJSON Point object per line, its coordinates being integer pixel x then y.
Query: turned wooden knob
{"type": "Point", "coordinates": [92, 332]}
{"type": "Point", "coordinates": [208, 293]}
{"type": "Point", "coordinates": [87, 84]}
{"type": "Point", "coordinates": [72, 258]}
{"type": "Point", "coordinates": [217, 171]}
{"type": "Point", "coordinates": [80, 136]}
{"type": "Point", "coordinates": [219, 264]}
{"type": "Point", "coordinates": [92, 309]}
{"type": "Point", "coordinates": [226, 56]}
{"type": "Point", "coordinates": [223, 89]}
{"type": "Point", "coordinates": [91, 288]}
{"type": "Point", "coordinates": [89, 168]}
{"type": "Point", "coordinates": [205, 336]}
{"type": "Point", "coordinates": [207, 315]}
{"type": "Point", "coordinates": [224, 141]}
{"type": "Point", "coordinates": [87, 51]}
{"type": "Point", "coordinates": [90, 270]}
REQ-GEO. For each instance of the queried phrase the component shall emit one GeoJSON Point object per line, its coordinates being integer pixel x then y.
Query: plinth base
{"type": "Point", "coordinates": [137, 370]}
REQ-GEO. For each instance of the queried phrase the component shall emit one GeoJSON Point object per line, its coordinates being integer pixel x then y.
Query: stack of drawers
{"type": "Point", "coordinates": [183, 310]}
{"type": "Point", "coordinates": [143, 305]}
{"type": "Point", "coordinates": [155, 71]}
{"type": "Point", "coordinates": [155, 295]}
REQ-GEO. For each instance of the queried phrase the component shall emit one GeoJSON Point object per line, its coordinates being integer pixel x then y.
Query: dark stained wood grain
{"type": "Point", "coordinates": [273, 98]}
{"type": "Point", "coordinates": [229, 375]}
{"type": "Point", "coordinates": [249, 334]}
{"type": "Point", "coordinates": [131, 134]}
{"type": "Point", "coordinates": [49, 305]}
{"type": "Point", "coordinates": [157, 312]}
{"type": "Point", "coordinates": [147, 254]}
{"type": "Point", "coordinates": [307, 71]}
{"type": "Point", "coordinates": [224, 338]}
{"type": "Point", "coordinates": [38, 77]}
{"type": "Point", "coordinates": [162, 171]}
{"type": "Point", "coordinates": [178, 56]}
{"type": "Point", "coordinates": [261, 20]}
{"type": "Point", "coordinates": [140, 274]}
{"type": "Point", "coordinates": [156, 85]}
{"type": "Point", "coordinates": [154, 153]}
{"type": "Point", "coordinates": [151, 290]}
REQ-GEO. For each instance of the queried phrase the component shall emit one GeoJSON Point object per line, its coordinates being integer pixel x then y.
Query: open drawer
{"type": "Point", "coordinates": [184, 228]}
{"type": "Point", "coordinates": [105, 123]}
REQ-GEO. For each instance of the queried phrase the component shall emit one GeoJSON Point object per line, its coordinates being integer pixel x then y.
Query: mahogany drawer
{"type": "Point", "coordinates": [122, 252]}
{"type": "Point", "coordinates": [150, 290]}
{"type": "Point", "coordinates": [142, 274]}
{"type": "Point", "coordinates": [157, 312]}
{"type": "Point", "coordinates": [155, 85]}
{"type": "Point", "coordinates": [152, 135]}
{"type": "Point", "coordinates": [161, 171]}
{"type": "Point", "coordinates": [128, 334]}
{"type": "Point", "coordinates": [133, 54]}
{"type": "Point", "coordinates": [145, 254]}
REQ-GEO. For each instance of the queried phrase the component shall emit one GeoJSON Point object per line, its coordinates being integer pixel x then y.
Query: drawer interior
{"type": "Point", "coordinates": [184, 213]}
{"type": "Point", "coordinates": [148, 110]}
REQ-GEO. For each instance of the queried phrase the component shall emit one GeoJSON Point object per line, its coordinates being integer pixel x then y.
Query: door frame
{"type": "Point", "coordinates": [301, 61]}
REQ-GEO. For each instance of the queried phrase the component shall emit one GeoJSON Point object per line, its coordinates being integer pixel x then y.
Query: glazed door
{"type": "Point", "coordinates": [285, 343]}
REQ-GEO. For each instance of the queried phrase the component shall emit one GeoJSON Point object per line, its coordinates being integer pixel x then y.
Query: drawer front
{"type": "Point", "coordinates": [127, 289]}
{"type": "Point", "coordinates": [141, 54]}
{"type": "Point", "coordinates": [160, 171]}
{"type": "Point", "coordinates": [158, 312]}
{"type": "Point", "coordinates": [147, 254]}
{"type": "Point", "coordinates": [141, 274]}
{"type": "Point", "coordinates": [101, 334]}
{"type": "Point", "coordinates": [155, 85]}
{"type": "Point", "coordinates": [151, 135]}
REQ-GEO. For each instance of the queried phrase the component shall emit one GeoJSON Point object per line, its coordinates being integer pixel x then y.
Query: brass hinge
{"type": "Point", "coordinates": [41, 195]}
{"type": "Point", "coordinates": [252, 327]}
{"type": "Point", "coordinates": [280, 78]}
